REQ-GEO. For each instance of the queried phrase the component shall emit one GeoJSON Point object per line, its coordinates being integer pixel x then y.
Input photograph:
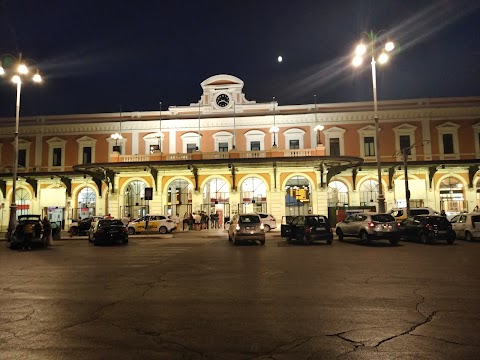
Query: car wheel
{"type": "Point", "coordinates": [74, 231]}
{"type": "Point", "coordinates": [125, 241]}
{"type": "Point", "coordinates": [468, 236]}
{"type": "Point", "coordinates": [94, 242]}
{"type": "Point", "coordinates": [306, 240]}
{"type": "Point", "coordinates": [340, 234]}
{"type": "Point", "coordinates": [394, 241]}
{"type": "Point", "coordinates": [131, 231]}
{"type": "Point", "coordinates": [266, 228]}
{"type": "Point", "coordinates": [329, 241]}
{"type": "Point", "coordinates": [262, 242]}
{"type": "Point", "coordinates": [162, 230]}
{"type": "Point", "coordinates": [235, 242]}
{"type": "Point", "coordinates": [424, 238]}
{"type": "Point", "coordinates": [364, 237]}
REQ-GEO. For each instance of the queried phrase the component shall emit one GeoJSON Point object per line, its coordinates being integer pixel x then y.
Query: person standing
{"type": "Point", "coordinates": [126, 219]}
{"type": "Point", "coordinates": [47, 233]}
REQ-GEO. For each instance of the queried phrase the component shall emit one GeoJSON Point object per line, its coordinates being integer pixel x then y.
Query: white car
{"type": "Point", "coordinates": [156, 223]}
{"type": "Point", "coordinates": [268, 221]}
{"type": "Point", "coordinates": [467, 226]}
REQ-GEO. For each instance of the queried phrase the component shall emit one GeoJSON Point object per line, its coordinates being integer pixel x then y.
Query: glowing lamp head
{"type": "Point", "coordinates": [116, 136]}
{"type": "Point", "coordinates": [2, 70]}
{"type": "Point", "coordinates": [360, 50]}
{"type": "Point", "coordinates": [22, 69]}
{"type": "Point", "coordinates": [16, 79]}
{"type": "Point", "coordinates": [319, 128]}
{"type": "Point", "coordinates": [274, 129]}
{"type": "Point", "coordinates": [383, 58]}
{"type": "Point", "coordinates": [389, 46]}
{"type": "Point", "coordinates": [37, 77]}
{"type": "Point", "coordinates": [357, 61]}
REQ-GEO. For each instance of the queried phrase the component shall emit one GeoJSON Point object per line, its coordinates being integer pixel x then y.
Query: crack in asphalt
{"type": "Point", "coordinates": [444, 340]}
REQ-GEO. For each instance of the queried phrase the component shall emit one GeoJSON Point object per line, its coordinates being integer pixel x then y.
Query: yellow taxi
{"type": "Point", "coordinates": [156, 223]}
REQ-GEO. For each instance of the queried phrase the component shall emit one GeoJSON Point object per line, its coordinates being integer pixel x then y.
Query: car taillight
{"type": "Point", "coordinates": [430, 227]}
{"type": "Point", "coordinates": [309, 229]}
{"type": "Point", "coordinates": [125, 230]}
{"type": "Point", "coordinates": [371, 224]}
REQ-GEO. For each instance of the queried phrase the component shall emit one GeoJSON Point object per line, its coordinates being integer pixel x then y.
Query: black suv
{"type": "Point", "coordinates": [308, 228]}
{"type": "Point", "coordinates": [28, 232]}
{"type": "Point", "coordinates": [427, 228]}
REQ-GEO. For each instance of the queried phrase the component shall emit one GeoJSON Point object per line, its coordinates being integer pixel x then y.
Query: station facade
{"type": "Point", "coordinates": [227, 154]}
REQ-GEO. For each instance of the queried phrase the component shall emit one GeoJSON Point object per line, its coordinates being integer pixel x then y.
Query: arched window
{"type": "Point", "coordinates": [297, 196]}
{"type": "Point", "coordinates": [86, 203]}
{"type": "Point", "coordinates": [135, 204]}
{"type": "Point", "coordinates": [22, 199]}
{"type": "Point", "coordinates": [369, 193]}
{"type": "Point", "coordinates": [337, 194]}
{"type": "Point", "coordinates": [452, 199]}
{"type": "Point", "coordinates": [253, 195]}
{"type": "Point", "coordinates": [179, 198]}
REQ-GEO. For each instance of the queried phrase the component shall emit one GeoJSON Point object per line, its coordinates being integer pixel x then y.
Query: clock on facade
{"type": "Point", "coordinates": [222, 100]}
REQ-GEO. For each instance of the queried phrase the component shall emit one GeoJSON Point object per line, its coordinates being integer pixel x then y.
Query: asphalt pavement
{"type": "Point", "coordinates": [194, 295]}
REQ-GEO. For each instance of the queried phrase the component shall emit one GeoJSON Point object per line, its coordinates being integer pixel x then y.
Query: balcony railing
{"type": "Point", "coordinates": [233, 154]}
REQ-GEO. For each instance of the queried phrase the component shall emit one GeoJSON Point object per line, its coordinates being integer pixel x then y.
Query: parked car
{"type": "Point", "coordinates": [246, 227]}
{"type": "Point", "coordinates": [109, 231]}
{"type": "Point", "coordinates": [28, 232]}
{"type": "Point", "coordinates": [466, 226]}
{"type": "Point", "coordinates": [427, 228]}
{"type": "Point", "coordinates": [308, 228]}
{"type": "Point", "coordinates": [369, 226]}
{"type": "Point", "coordinates": [401, 213]}
{"type": "Point", "coordinates": [156, 223]}
{"type": "Point", "coordinates": [83, 226]}
{"type": "Point", "coordinates": [268, 221]}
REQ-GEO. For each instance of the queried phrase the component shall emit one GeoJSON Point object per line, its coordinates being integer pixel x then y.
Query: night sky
{"type": "Point", "coordinates": [103, 55]}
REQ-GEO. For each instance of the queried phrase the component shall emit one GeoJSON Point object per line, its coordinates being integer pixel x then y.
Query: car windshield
{"type": "Point", "coordinates": [315, 220]}
{"type": "Point", "coordinates": [383, 218]}
{"type": "Point", "coordinates": [249, 219]}
{"type": "Point", "coordinates": [107, 223]}
{"type": "Point", "coordinates": [439, 221]}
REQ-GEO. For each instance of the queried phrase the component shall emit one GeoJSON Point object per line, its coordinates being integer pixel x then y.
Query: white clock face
{"type": "Point", "coordinates": [222, 100]}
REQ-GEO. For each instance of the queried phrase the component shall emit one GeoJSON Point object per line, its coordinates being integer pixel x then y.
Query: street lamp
{"type": "Point", "coordinates": [20, 71]}
{"type": "Point", "coordinates": [274, 129]}
{"type": "Point", "coordinates": [318, 128]}
{"type": "Point", "coordinates": [360, 51]}
{"type": "Point", "coordinates": [159, 135]}
{"type": "Point", "coordinates": [118, 136]}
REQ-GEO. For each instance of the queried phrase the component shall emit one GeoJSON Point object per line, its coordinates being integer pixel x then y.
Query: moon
{"type": "Point", "coordinates": [280, 59]}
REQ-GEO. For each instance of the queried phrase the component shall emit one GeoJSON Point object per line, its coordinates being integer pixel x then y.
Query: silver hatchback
{"type": "Point", "coordinates": [246, 227]}
{"type": "Point", "coordinates": [369, 226]}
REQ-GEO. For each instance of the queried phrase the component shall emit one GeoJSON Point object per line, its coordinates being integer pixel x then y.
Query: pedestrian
{"type": "Point", "coordinates": [198, 220]}
{"type": "Point", "coordinates": [27, 235]}
{"type": "Point", "coordinates": [126, 219]}
{"type": "Point", "coordinates": [176, 219]}
{"type": "Point", "coordinates": [442, 213]}
{"type": "Point", "coordinates": [476, 209]}
{"type": "Point", "coordinates": [47, 233]}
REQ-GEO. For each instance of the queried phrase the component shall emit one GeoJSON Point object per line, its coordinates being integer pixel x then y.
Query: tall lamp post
{"type": "Point", "coordinates": [159, 135]}
{"type": "Point", "coordinates": [274, 129]}
{"type": "Point", "coordinates": [370, 50]}
{"type": "Point", "coordinates": [17, 66]}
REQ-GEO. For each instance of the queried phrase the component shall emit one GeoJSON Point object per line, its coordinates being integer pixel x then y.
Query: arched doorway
{"type": "Point", "coordinates": [452, 199]}
{"type": "Point", "coordinates": [297, 196]}
{"type": "Point", "coordinates": [369, 193]}
{"type": "Point", "coordinates": [179, 198]}
{"type": "Point", "coordinates": [337, 194]}
{"type": "Point", "coordinates": [22, 199]}
{"type": "Point", "coordinates": [216, 197]}
{"type": "Point", "coordinates": [253, 196]}
{"type": "Point", "coordinates": [85, 204]}
{"type": "Point", "coordinates": [135, 205]}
